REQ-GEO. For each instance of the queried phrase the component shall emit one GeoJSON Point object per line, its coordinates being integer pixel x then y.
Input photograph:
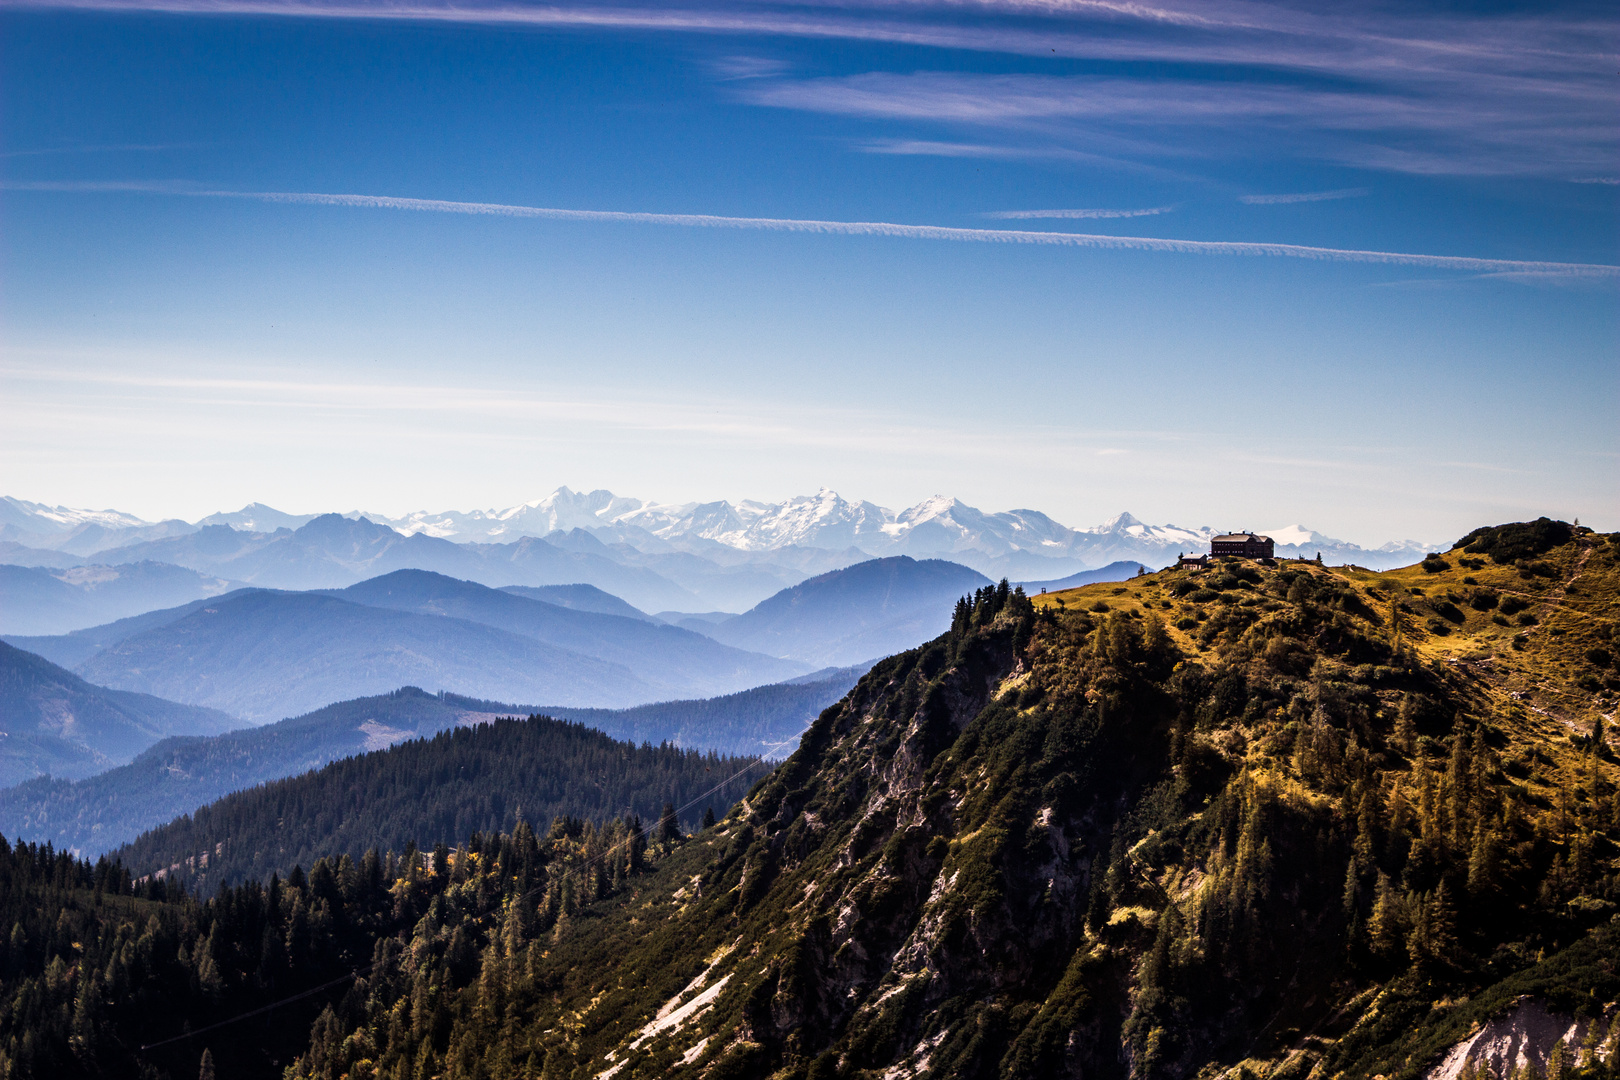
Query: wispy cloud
{"type": "Point", "coordinates": [1597, 180]}
{"type": "Point", "coordinates": [1305, 196]}
{"type": "Point", "coordinates": [1467, 264]}
{"type": "Point", "coordinates": [1021, 215]}
{"type": "Point", "coordinates": [1425, 130]}
{"type": "Point", "coordinates": [1404, 89]}
{"type": "Point", "coordinates": [748, 67]}
{"type": "Point", "coordinates": [1002, 152]}
{"type": "Point", "coordinates": [138, 398]}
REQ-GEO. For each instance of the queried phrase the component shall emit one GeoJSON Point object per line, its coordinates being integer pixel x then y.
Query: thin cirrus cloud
{"type": "Point", "coordinates": [1469, 264]}
{"type": "Point", "coordinates": [1003, 152]}
{"type": "Point", "coordinates": [1025, 215]}
{"type": "Point", "coordinates": [1302, 197]}
{"type": "Point", "coordinates": [143, 400]}
{"type": "Point", "coordinates": [1165, 118]}
{"type": "Point", "coordinates": [1403, 89]}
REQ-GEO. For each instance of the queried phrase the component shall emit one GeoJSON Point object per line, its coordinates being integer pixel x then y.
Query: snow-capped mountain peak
{"type": "Point", "coordinates": [1296, 536]}
{"type": "Point", "coordinates": [1019, 543]}
{"type": "Point", "coordinates": [38, 517]}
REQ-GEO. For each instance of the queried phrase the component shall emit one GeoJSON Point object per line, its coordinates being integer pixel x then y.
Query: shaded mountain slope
{"type": "Point", "coordinates": [1114, 571]}
{"type": "Point", "coordinates": [266, 655]}
{"type": "Point", "coordinates": [766, 720]}
{"type": "Point", "coordinates": [674, 661]}
{"type": "Point", "coordinates": [580, 598]}
{"type": "Point", "coordinates": [75, 647]}
{"type": "Point", "coordinates": [38, 600]}
{"type": "Point", "coordinates": [15, 554]}
{"type": "Point", "coordinates": [871, 609]}
{"type": "Point", "coordinates": [54, 722]}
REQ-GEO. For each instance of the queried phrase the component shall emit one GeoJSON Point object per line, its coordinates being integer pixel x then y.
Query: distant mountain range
{"type": "Point", "coordinates": [657, 556]}
{"type": "Point", "coordinates": [860, 613]}
{"type": "Point", "coordinates": [37, 600]}
{"type": "Point", "coordinates": [176, 776]}
{"type": "Point", "coordinates": [263, 655]}
{"type": "Point", "coordinates": [52, 721]}
{"type": "Point", "coordinates": [1114, 571]}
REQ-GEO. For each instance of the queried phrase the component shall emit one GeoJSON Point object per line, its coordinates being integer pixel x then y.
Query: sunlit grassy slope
{"type": "Point", "coordinates": [1532, 641]}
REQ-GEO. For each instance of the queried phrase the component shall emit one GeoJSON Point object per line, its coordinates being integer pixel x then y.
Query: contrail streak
{"type": "Point", "coordinates": [1305, 196]}
{"type": "Point", "coordinates": [1020, 215]}
{"type": "Point", "coordinates": [870, 228]}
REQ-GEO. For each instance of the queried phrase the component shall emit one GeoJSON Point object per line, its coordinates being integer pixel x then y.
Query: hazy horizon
{"type": "Point", "coordinates": [393, 518]}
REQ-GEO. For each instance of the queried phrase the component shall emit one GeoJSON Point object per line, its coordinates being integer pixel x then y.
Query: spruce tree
{"type": "Point", "coordinates": [669, 828]}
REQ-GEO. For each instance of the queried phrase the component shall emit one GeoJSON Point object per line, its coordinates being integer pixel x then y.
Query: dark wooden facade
{"type": "Point", "coordinates": [1243, 545]}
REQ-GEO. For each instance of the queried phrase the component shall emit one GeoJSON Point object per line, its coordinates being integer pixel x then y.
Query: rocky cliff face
{"type": "Point", "coordinates": [1526, 1037]}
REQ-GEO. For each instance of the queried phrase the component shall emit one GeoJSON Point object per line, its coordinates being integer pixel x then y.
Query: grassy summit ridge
{"type": "Point", "coordinates": [1266, 820]}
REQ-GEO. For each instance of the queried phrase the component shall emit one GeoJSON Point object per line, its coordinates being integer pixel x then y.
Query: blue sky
{"type": "Point", "coordinates": [190, 321]}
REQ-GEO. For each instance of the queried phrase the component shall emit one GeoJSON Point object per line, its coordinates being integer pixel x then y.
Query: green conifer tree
{"type": "Point", "coordinates": [669, 827]}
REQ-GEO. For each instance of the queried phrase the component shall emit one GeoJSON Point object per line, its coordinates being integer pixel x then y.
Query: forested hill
{"type": "Point", "coordinates": [98, 814]}
{"type": "Point", "coordinates": [1260, 820]}
{"type": "Point", "coordinates": [436, 790]}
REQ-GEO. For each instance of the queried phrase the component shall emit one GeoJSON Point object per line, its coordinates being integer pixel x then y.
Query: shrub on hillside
{"type": "Point", "coordinates": [1447, 610]}
{"type": "Point", "coordinates": [1517, 540]}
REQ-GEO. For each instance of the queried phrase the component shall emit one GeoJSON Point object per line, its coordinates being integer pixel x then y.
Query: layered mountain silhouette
{"type": "Point", "coordinates": [53, 722]}
{"type": "Point", "coordinates": [332, 551]}
{"type": "Point", "coordinates": [860, 613]}
{"type": "Point", "coordinates": [665, 656]}
{"type": "Point", "coordinates": [264, 655]}
{"type": "Point", "coordinates": [176, 776]}
{"type": "Point", "coordinates": [1115, 571]}
{"type": "Point", "coordinates": [580, 598]}
{"type": "Point", "coordinates": [38, 600]}
{"type": "Point", "coordinates": [74, 648]}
